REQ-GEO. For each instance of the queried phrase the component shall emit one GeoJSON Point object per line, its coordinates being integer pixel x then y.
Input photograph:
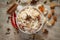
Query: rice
{"type": "Point", "coordinates": [29, 19]}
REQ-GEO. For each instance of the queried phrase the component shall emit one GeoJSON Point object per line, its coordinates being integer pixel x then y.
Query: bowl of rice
{"type": "Point", "coordinates": [29, 20]}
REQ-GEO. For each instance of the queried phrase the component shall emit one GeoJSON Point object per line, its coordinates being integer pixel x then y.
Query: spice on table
{"type": "Point", "coordinates": [45, 31]}
{"type": "Point", "coordinates": [13, 23]}
{"type": "Point", "coordinates": [8, 29]}
{"type": "Point", "coordinates": [12, 9]}
{"type": "Point", "coordinates": [16, 32]}
{"type": "Point", "coordinates": [16, 0]}
{"type": "Point", "coordinates": [45, 2]}
{"type": "Point", "coordinates": [7, 2]}
{"type": "Point", "coordinates": [7, 33]}
{"type": "Point", "coordinates": [8, 19]}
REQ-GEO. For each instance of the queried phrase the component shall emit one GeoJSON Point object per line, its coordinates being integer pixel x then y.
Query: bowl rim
{"type": "Point", "coordinates": [39, 27]}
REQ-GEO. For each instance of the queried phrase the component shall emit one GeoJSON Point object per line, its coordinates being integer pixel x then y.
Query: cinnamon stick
{"type": "Point", "coordinates": [12, 9]}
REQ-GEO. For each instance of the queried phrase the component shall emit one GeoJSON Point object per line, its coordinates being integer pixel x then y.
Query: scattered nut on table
{"type": "Point", "coordinates": [52, 22]}
{"type": "Point", "coordinates": [52, 5]}
{"type": "Point", "coordinates": [8, 29]}
{"type": "Point", "coordinates": [48, 23]}
{"type": "Point", "coordinates": [55, 18]}
{"type": "Point", "coordinates": [49, 15]}
{"type": "Point", "coordinates": [52, 11]}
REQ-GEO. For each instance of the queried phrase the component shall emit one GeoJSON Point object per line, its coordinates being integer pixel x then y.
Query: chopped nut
{"type": "Point", "coordinates": [12, 9]}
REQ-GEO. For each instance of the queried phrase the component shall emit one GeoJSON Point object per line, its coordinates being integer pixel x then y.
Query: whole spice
{"type": "Point", "coordinates": [45, 31]}
{"type": "Point", "coordinates": [7, 33]}
{"type": "Point", "coordinates": [13, 22]}
{"type": "Point", "coordinates": [12, 9]}
{"type": "Point", "coordinates": [8, 29]}
{"type": "Point", "coordinates": [8, 19]}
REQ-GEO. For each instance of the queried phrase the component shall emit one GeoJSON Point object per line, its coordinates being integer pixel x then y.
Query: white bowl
{"type": "Point", "coordinates": [42, 20]}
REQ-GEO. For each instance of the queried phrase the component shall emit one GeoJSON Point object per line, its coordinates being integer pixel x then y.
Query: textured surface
{"type": "Point", "coordinates": [54, 32]}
